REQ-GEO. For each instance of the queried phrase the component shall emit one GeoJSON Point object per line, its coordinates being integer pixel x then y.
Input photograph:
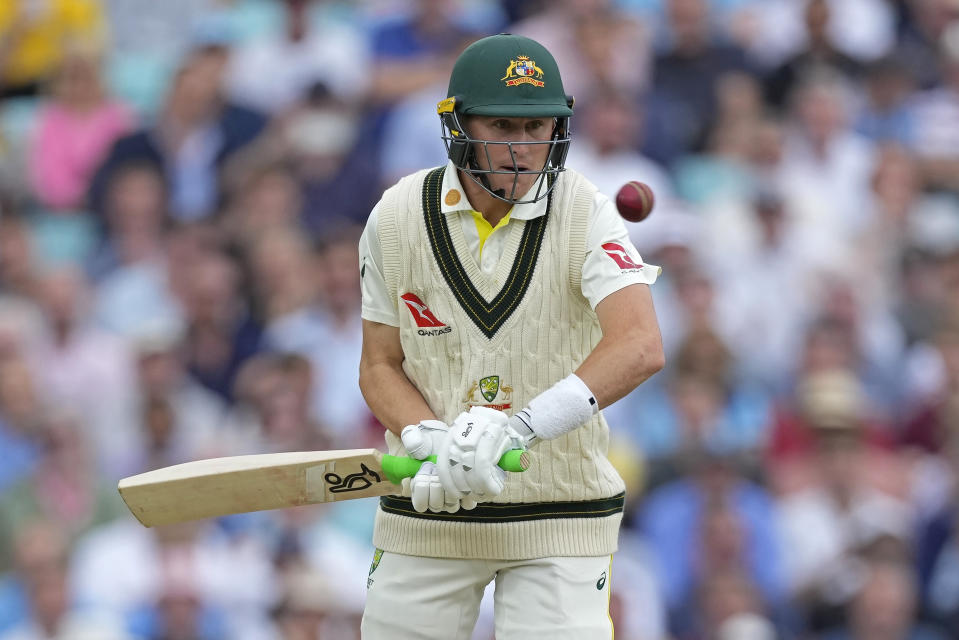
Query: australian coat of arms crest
{"type": "Point", "coordinates": [522, 70]}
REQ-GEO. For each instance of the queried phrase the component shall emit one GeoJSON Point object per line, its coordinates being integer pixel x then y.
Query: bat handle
{"type": "Point", "coordinates": [398, 467]}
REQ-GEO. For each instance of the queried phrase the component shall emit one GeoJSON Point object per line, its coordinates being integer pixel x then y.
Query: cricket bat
{"type": "Point", "coordinates": [239, 484]}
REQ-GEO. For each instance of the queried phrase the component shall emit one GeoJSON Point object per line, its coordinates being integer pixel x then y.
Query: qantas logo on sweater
{"type": "Point", "coordinates": [619, 255]}
{"type": "Point", "coordinates": [429, 324]}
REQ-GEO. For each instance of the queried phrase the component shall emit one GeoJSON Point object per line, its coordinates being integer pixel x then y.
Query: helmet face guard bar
{"type": "Point", "coordinates": [462, 150]}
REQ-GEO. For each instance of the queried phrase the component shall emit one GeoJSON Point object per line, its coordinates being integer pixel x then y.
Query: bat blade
{"type": "Point", "coordinates": [239, 484]}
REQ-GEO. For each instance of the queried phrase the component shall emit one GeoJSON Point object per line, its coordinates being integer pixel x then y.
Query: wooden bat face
{"type": "Point", "coordinates": [238, 484]}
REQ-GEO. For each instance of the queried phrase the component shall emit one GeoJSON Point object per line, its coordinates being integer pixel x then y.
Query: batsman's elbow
{"type": "Point", "coordinates": [650, 357]}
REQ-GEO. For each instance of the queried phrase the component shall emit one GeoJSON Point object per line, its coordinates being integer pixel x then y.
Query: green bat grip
{"type": "Point", "coordinates": [398, 467]}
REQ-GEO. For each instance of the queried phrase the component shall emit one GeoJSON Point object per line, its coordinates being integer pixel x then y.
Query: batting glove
{"type": "Point", "coordinates": [424, 439]}
{"type": "Point", "coordinates": [467, 461]}
{"type": "Point", "coordinates": [426, 490]}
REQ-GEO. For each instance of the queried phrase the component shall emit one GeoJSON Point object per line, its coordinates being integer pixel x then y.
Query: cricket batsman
{"type": "Point", "coordinates": [503, 307]}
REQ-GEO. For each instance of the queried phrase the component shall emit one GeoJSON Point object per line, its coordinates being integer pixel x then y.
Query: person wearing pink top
{"type": "Point", "coordinates": [75, 130]}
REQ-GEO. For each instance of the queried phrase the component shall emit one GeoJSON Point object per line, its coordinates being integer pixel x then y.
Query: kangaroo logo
{"type": "Point", "coordinates": [421, 313]}
{"type": "Point", "coordinates": [619, 255]}
{"type": "Point", "coordinates": [362, 479]}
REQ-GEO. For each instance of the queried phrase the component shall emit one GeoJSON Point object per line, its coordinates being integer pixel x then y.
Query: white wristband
{"type": "Point", "coordinates": [565, 406]}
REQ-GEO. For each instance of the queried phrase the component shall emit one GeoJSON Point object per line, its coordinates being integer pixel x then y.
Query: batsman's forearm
{"type": "Point", "coordinates": [392, 397]}
{"type": "Point", "coordinates": [617, 366]}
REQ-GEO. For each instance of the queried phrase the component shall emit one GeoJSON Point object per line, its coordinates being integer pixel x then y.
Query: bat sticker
{"type": "Point", "coordinates": [354, 481]}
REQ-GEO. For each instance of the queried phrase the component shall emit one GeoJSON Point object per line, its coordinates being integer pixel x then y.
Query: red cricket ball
{"type": "Point", "coordinates": [635, 201]}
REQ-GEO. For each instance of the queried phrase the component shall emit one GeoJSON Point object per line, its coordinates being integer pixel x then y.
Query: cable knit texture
{"type": "Point", "coordinates": [550, 331]}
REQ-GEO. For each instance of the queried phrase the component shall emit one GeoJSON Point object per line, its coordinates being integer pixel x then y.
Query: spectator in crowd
{"type": "Point", "coordinates": [311, 607]}
{"type": "Point", "coordinates": [75, 130]}
{"type": "Point", "coordinates": [674, 518]}
{"type": "Point", "coordinates": [181, 420]}
{"type": "Point", "coordinates": [920, 34]}
{"type": "Point", "coordinates": [838, 511]}
{"type": "Point", "coordinates": [21, 401]}
{"type": "Point", "coordinates": [39, 588]}
{"type": "Point", "coordinates": [936, 114]}
{"type": "Point", "coordinates": [885, 116]}
{"type": "Point", "coordinates": [328, 148]}
{"type": "Point", "coordinates": [180, 611]}
{"type": "Point", "coordinates": [598, 46]}
{"type": "Point", "coordinates": [77, 361]}
{"type": "Point", "coordinates": [636, 604]}
{"type": "Point", "coordinates": [313, 165]}
{"type": "Point", "coordinates": [686, 72]}
{"type": "Point", "coordinates": [884, 608]}
{"type": "Point", "coordinates": [193, 136]}
{"type": "Point", "coordinates": [19, 411]}
{"type": "Point", "coordinates": [704, 403]}
{"type": "Point", "coordinates": [39, 548]}
{"type": "Point", "coordinates": [823, 398]}
{"type": "Point", "coordinates": [148, 40]}
{"type": "Point", "coordinates": [285, 283]}
{"type": "Point", "coordinates": [723, 172]}
{"type": "Point", "coordinates": [409, 134]}
{"type": "Point", "coordinates": [730, 608]}
{"type": "Point", "coordinates": [896, 201]}
{"type": "Point", "coordinates": [260, 199]}
{"type": "Point", "coordinates": [65, 487]}
{"type": "Point", "coordinates": [819, 52]}
{"type": "Point", "coordinates": [326, 329]}
{"type": "Point", "coordinates": [930, 427]}
{"type": "Point", "coordinates": [208, 574]}
{"type": "Point", "coordinates": [140, 254]}
{"type": "Point", "coordinates": [285, 412]}
{"type": "Point", "coordinates": [34, 38]}
{"type": "Point", "coordinates": [826, 167]}
{"type": "Point", "coordinates": [762, 336]}
{"type": "Point", "coordinates": [17, 255]}
{"type": "Point", "coordinates": [313, 545]}
{"type": "Point", "coordinates": [134, 220]}
{"type": "Point", "coordinates": [222, 332]}
{"type": "Point", "coordinates": [272, 72]}
{"type": "Point", "coordinates": [609, 136]}
{"type": "Point", "coordinates": [411, 49]}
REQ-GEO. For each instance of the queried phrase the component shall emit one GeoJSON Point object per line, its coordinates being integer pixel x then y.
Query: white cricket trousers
{"type": "Point", "coordinates": [415, 598]}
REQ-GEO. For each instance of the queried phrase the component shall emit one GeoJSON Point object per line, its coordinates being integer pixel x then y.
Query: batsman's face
{"type": "Point", "coordinates": [528, 149]}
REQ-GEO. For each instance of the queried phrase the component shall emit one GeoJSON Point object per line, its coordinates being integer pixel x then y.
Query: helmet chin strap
{"type": "Point", "coordinates": [483, 178]}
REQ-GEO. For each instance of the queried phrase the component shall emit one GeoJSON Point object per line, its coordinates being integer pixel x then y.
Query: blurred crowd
{"type": "Point", "coordinates": [182, 188]}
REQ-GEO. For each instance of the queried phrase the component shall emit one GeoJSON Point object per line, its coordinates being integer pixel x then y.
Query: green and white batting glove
{"type": "Point", "coordinates": [467, 461]}
{"type": "Point", "coordinates": [423, 440]}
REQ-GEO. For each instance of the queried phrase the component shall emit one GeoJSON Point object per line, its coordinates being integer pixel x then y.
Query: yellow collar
{"type": "Point", "coordinates": [453, 198]}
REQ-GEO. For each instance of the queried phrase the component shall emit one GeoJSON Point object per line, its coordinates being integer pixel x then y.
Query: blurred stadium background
{"type": "Point", "coordinates": [182, 185]}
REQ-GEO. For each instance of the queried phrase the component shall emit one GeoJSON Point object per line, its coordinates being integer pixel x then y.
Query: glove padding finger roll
{"type": "Point", "coordinates": [423, 439]}
{"type": "Point", "coordinates": [427, 492]}
{"type": "Point", "coordinates": [468, 460]}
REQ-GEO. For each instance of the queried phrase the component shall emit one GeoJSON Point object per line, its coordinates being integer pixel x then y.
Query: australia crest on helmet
{"type": "Point", "coordinates": [523, 70]}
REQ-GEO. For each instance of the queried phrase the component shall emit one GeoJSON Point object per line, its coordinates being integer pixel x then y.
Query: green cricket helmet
{"type": "Point", "coordinates": [509, 76]}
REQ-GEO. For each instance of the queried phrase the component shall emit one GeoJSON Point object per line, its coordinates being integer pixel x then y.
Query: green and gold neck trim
{"type": "Point", "coordinates": [488, 316]}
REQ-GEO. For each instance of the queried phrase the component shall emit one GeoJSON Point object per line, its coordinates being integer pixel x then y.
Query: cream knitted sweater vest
{"type": "Point", "coordinates": [499, 340]}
